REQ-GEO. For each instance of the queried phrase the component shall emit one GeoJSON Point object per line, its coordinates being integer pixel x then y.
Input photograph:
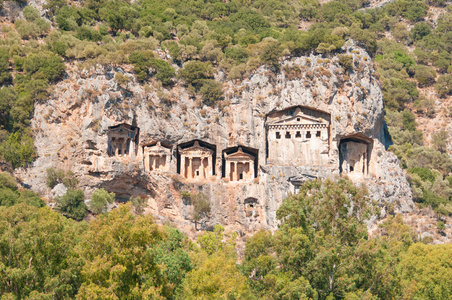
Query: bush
{"type": "Point", "coordinates": [271, 54]}
{"type": "Point", "coordinates": [58, 176]}
{"type": "Point", "coordinates": [8, 181]}
{"type": "Point", "coordinates": [72, 204]}
{"type": "Point", "coordinates": [27, 29]}
{"type": "Point", "coordinates": [444, 85]}
{"type": "Point", "coordinates": [138, 204]}
{"type": "Point", "coordinates": [18, 150]}
{"type": "Point", "coordinates": [420, 30]}
{"type": "Point", "coordinates": [424, 173]}
{"type": "Point", "coordinates": [163, 71]}
{"type": "Point", "coordinates": [346, 61]}
{"type": "Point", "coordinates": [122, 79]}
{"type": "Point", "coordinates": [439, 140]}
{"type": "Point", "coordinates": [85, 32]}
{"type": "Point", "coordinates": [45, 64]}
{"type": "Point", "coordinates": [201, 206]}
{"type": "Point", "coordinates": [425, 76]}
{"type": "Point", "coordinates": [195, 72]}
{"type": "Point", "coordinates": [5, 75]}
{"type": "Point", "coordinates": [211, 91]}
{"type": "Point", "coordinates": [30, 13]}
{"type": "Point", "coordinates": [100, 200]}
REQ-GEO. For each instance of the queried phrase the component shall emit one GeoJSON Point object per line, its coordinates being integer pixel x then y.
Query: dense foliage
{"type": "Point", "coordinates": [320, 251]}
{"type": "Point", "coordinates": [201, 38]}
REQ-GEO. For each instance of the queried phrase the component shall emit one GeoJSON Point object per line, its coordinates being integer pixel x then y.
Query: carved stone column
{"type": "Point", "coordinates": [209, 166]}
{"type": "Point", "coordinates": [154, 164]}
{"type": "Point", "coordinates": [190, 168]}
{"type": "Point", "coordinates": [234, 178]}
{"type": "Point", "coordinates": [131, 148]}
{"type": "Point", "coordinates": [182, 166]}
{"type": "Point", "coordinates": [228, 170]}
{"type": "Point", "coordinates": [146, 163]}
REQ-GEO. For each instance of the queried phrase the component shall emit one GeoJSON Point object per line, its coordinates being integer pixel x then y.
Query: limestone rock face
{"type": "Point", "coordinates": [318, 105]}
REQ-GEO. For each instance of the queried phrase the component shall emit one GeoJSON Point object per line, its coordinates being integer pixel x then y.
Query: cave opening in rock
{"type": "Point", "coordinates": [354, 155]}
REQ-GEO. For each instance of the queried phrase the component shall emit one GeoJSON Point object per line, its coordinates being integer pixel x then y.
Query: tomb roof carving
{"type": "Point", "coordinates": [157, 148]}
{"type": "Point", "coordinates": [157, 145]}
{"type": "Point", "coordinates": [122, 127]}
{"type": "Point", "coordinates": [239, 155]}
{"type": "Point", "coordinates": [195, 149]}
{"type": "Point", "coordinates": [298, 118]}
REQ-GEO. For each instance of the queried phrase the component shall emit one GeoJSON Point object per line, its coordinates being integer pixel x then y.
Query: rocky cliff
{"type": "Point", "coordinates": [72, 127]}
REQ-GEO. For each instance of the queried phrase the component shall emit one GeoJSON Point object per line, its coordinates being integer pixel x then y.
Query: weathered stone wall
{"type": "Point", "coordinates": [71, 132]}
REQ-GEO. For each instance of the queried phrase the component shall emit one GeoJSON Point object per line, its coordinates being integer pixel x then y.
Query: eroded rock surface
{"type": "Point", "coordinates": [333, 107]}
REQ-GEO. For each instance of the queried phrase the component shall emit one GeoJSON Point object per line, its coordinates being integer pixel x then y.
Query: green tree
{"type": "Point", "coordinates": [18, 150]}
{"type": "Point", "coordinates": [444, 85]}
{"type": "Point", "coordinates": [331, 215]}
{"type": "Point", "coordinates": [195, 73]}
{"type": "Point", "coordinates": [425, 272]}
{"type": "Point", "coordinates": [5, 75]}
{"type": "Point", "coordinates": [215, 275]}
{"type": "Point", "coordinates": [118, 260]}
{"type": "Point", "coordinates": [100, 200]}
{"type": "Point", "coordinates": [57, 176]}
{"type": "Point", "coordinates": [211, 91]}
{"type": "Point", "coordinates": [425, 76]}
{"type": "Point", "coordinates": [271, 54]}
{"type": "Point", "coordinates": [36, 253]}
{"type": "Point", "coordinates": [439, 140]}
{"type": "Point", "coordinates": [138, 204]}
{"type": "Point", "coordinates": [45, 64]}
{"type": "Point", "coordinates": [72, 204]}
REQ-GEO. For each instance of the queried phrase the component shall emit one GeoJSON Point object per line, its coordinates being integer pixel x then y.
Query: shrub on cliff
{"type": "Point", "coordinates": [195, 73]}
{"type": "Point", "coordinates": [57, 176]}
{"type": "Point", "coordinates": [444, 85]}
{"type": "Point", "coordinates": [425, 76]}
{"type": "Point", "coordinates": [72, 204]}
{"type": "Point", "coordinates": [18, 150]}
{"type": "Point", "coordinates": [5, 75]}
{"type": "Point", "coordinates": [100, 200]}
{"type": "Point", "coordinates": [211, 91]}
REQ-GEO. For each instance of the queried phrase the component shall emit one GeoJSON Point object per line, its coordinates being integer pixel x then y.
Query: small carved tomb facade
{"type": "Point", "coordinates": [123, 140]}
{"type": "Point", "coordinates": [354, 158]}
{"type": "Point", "coordinates": [298, 136]}
{"type": "Point", "coordinates": [196, 161]}
{"type": "Point", "coordinates": [239, 166]}
{"type": "Point", "coordinates": [157, 157]}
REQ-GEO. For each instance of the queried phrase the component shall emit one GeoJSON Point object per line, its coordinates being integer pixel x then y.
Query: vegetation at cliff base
{"type": "Point", "coordinates": [321, 250]}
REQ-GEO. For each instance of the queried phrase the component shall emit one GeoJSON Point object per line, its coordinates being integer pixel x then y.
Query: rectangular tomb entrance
{"type": "Point", "coordinates": [353, 157]}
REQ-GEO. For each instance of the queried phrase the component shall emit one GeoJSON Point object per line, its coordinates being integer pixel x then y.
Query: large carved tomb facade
{"type": "Point", "coordinates": [197, 160]}
{"type": "Point", "coordinates": [239, 165]}
{"type": "Point", "coordinates": [123, 140]}
{"type": "Point", "coordinates": [298, 136]}
{"type": "Point", "coordinates": [157, 157]}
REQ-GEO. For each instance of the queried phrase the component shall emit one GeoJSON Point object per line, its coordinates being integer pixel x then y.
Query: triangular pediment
{"type": "Point", "coordinates": [195, 148]}
{"type": "Point", "coordinates": [240, 155]}
{"type": "Point", "coordinates": [297, 118]}
{"type": "Point", "coordinates": [124, 127]}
